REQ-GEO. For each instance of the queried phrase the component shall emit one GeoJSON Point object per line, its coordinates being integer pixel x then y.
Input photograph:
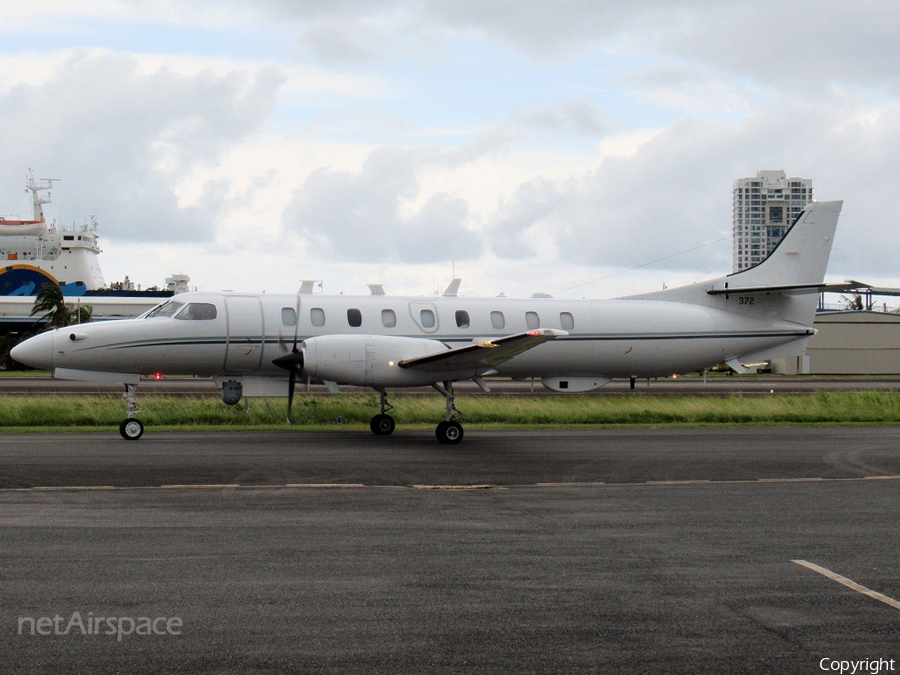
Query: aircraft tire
{"type": "Point", "coordinates": [382, 425]}
{"type": "Point", "coordinates": [131, 429]}
{"type": "Point", "coordinates": [449, 433]}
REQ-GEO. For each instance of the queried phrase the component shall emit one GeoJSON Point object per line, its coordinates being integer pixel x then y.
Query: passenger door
{"type": "Point", "coordinates": [245, 343]}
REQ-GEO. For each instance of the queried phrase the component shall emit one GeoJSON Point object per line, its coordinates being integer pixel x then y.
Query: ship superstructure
{"type": "Point", "coordinates": [34, 251]}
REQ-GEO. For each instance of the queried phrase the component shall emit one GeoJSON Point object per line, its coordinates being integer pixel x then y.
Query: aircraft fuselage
{"type": "Point", "coordinates": [241, 334]}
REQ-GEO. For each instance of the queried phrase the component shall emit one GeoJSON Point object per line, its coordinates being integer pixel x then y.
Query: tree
{"type": "Point", "coordinates": [51, 306]}
{"type": "Point", "coordinates": [7, 342]}
{"type": "Point", "coordinates": [854, 302]}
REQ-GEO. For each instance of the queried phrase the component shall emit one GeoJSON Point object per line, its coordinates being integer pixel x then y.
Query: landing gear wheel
{"type": "Point", "coordinates": [449, 433]}
{"type": "Point", "coordinates": [382, 425]}
{"type": "Point", "coordinates": [131, 429]}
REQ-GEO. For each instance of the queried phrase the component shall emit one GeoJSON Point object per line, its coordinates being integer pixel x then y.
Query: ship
{"type": "Point", "coordinates": [34, 252]}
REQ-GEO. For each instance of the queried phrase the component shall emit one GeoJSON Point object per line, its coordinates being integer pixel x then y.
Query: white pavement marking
{"type": "Point", "coordinates": [461, 486]}
{"type": "Point", "coordinates": [849, 583]}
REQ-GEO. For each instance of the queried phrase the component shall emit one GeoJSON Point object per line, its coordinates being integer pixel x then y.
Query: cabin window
{"type": "Point", "coordinates": [166, 309]}
{"type": "Point", "coordinates": [498, 321]}
{"type": "Point", "coordinates": [462, 318]}
{"type": "Point", "coordinates": [532, 320]}
{"type": "Point", "coordinates": [288, 316]}
{"type": "Point", "coordinates": [354, 317]}
{"type": "Point", "coordinates": [567, 321]}
{"type": "Point", "coordinates": [388, 318]}
{"type": "Point", "coordinates": [428, 318]}
{"type": "Point", "coordinates": [317, 316]}
{"type": "Point", "coordinates": [198, 311]}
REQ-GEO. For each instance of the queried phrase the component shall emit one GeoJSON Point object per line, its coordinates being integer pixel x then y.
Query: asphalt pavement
{"type": "Point", "coordinates": [651, 551]}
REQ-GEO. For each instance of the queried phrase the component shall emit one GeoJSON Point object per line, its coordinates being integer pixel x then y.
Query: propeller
{"type": "Point", "coordinates": [292, 362]}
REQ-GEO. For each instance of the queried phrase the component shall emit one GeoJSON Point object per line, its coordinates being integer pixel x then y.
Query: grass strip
{"type": "Point", "coordinates": [104, 411]}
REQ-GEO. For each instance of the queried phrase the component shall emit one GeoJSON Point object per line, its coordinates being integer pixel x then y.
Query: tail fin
{"type": "Point", "coordinates": [784, 285]}
{"type": "Point", "coordinates": [801, 257]}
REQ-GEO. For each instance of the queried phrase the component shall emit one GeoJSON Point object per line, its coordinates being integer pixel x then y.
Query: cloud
{"type": "Point", "coordinates": [127, 139]}
{"type": "Point", "coordinates": [538, 206]}
{"type": "Point", "coordinates": [808, 44]}
{"type": "Point", "coordinates": [540, 29]}
{"type": "Point", "coordinates": [629, 210]}
{"type": "Point", "coordinates": [339, 41]}
{"type": "Point", "coordinates": [576, 116]}
{"type": "Point", "coordinates": [690, 88]}
{"type": "Point", "coordinates": [798, 46]}
{"type": "Point", "coordinates": [400, 135]}
{"type": "Point", "coordinates": [361, 215]}
{"type": "Point", "coordinates": [674, 192]}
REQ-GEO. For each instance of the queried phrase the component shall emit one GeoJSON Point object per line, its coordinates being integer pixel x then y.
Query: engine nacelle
{"type": "Point", "coordinates": [366, 360]}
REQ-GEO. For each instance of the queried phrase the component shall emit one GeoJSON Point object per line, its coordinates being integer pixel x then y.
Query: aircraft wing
{"type": "Point", "coordinates": [482, 355]}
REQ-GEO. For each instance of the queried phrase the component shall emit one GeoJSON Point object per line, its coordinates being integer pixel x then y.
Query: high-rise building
{"type": "Point", "coordinates": [763, 209]}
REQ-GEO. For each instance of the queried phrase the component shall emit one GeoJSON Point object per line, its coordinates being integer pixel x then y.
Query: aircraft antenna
{"type": "Point", "coordinates": [646, 264]}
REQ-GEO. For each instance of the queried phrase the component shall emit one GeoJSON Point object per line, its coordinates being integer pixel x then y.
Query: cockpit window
{"type": "Point", "coordinates": [198, 311]}
{"type": "Point", "coordinates": [165, 309]}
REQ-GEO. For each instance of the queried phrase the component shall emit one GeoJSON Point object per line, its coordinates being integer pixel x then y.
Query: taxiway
{"type": "Point", "coordinates": [601, 550]}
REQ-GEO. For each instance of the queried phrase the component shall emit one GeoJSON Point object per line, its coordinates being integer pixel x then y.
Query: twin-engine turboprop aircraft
{"type": "Point", "coordinates": [261, 344]}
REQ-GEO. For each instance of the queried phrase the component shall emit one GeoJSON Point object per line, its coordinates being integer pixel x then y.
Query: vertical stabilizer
{"type": "Point", "coordinates": [801, 257]}
{"type": "Point", "coordinates": [784, 286]}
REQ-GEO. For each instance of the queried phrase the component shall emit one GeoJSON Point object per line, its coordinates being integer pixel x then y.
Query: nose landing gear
{"type": "Point", "coordinates": [131, 428]}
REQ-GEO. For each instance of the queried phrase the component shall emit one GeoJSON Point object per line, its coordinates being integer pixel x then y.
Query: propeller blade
{"type": "Point", "coordinates": [293, 363]}
{"type": "Point", "coordinates": [298, 363]}
{"type": "Point", "coordinates": [292, 382]}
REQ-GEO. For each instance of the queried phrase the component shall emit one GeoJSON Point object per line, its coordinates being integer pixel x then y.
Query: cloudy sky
{"type": "Point", "coordinates": [583, 148]}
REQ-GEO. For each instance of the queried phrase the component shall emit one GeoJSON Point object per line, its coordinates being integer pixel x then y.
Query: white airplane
{"type": "Point", "coordinates": [261, 344]}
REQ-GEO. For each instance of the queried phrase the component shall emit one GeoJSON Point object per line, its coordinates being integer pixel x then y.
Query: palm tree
{"type": "Point", "coordinates": [51, 306]}
{"type": "Point", "coordinates": [854, 302]}
{"type": "Point", "coordinates": [80, 314]}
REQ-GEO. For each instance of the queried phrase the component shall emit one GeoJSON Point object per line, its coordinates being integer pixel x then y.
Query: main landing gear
{"type": "Point", "coordinates": [383, 424]}
{"type": "Point", "coordinates": [131, 428]}
{"type": "Point", "coordinates": [448, 432]}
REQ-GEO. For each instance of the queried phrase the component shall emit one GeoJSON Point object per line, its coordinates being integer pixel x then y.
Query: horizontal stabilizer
{"type": "Point", "coordinates": [482, 355]}
{"type": "Point", "coordinates": [793, 289]}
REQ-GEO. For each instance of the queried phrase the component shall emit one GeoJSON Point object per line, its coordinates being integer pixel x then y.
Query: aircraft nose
{"type": "Point", "coordinates": [36, 352]}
